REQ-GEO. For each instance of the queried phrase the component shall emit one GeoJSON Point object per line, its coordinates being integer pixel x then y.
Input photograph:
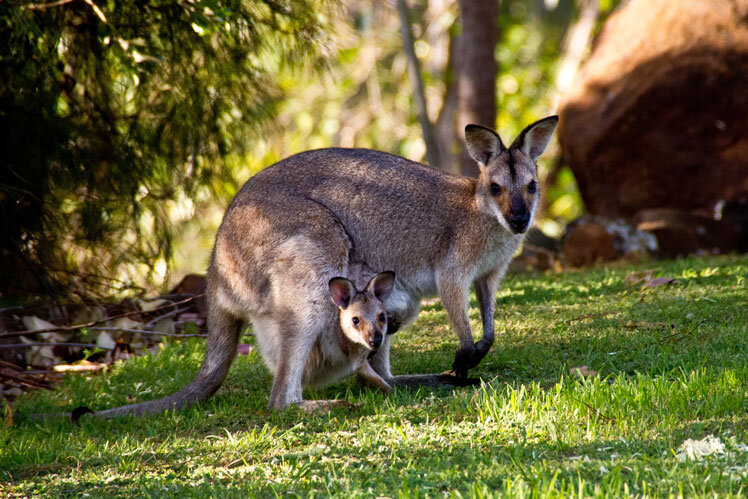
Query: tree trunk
{"type": "Point", "coordinates": [446, 122]}
{"type": "Point", "coordinates": [416, 80]}
{"type": "Point", "coordinates": [476, 88]}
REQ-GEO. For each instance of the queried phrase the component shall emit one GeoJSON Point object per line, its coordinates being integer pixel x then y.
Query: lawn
{"type": "Point", "coordinates": [671, 363]}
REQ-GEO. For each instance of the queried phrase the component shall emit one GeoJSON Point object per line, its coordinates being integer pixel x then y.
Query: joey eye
{"type": "Point", "coordinates": [382, 318]}
{"type": "Point", "coordinates": [532, 187]}
{"type": "Point", "coordinates": [356, 320]}
{"type": "Point", "coordinates": [495, 189]}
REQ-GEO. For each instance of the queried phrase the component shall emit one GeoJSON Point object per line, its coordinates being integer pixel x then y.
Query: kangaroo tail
{"type": "Point", "coordinates": [221, 347]}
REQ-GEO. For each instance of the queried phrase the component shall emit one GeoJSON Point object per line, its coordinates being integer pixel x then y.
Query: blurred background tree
{"type": "Point", "coordinates": [123, 120]}
{"type": "Point", "coordinates": [117, 116]}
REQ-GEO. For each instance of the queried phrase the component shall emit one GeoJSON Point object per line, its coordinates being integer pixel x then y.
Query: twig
{"type": "Point", "coordinates": [39, 6]}
{"type": "Point", "coordinates": [52, 344]}
{"type": "Point", "coordinates": [10, 365]}
{"type": "Point", "coordinates": [27, 381]}
{"type": "Point", "coordinates": [595, 411]}
{"type": "Point", "coordinates": [648, 324]}
{"type": "Point", "coordinates": [599, 414]}
{"type": "Point", "coordinates": [93, 323]}
{"type": "Point", "coordinates": [589, 316]}
{"type": "Point", "coordinates": [143, 331]}
{"type": "Point", "coordinates": [166, 315]}
{"type": "Point", "coordinates": [677, 334]}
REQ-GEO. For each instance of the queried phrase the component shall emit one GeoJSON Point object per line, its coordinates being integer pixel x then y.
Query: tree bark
{"type": "Point", "coordinates": [476, 87]}
{"type": "Point", "coordinates": [446, 123]}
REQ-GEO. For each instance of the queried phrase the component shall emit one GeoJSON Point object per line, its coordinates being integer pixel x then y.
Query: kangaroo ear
{"type": "Point", "coordinates": [534, 139]}
{"type": "Point", "coordinates": [482, 143]}
{"type": "Point", "coordinates": [381, 285]}
{"type": "Point", "coordinates": [341, 291]}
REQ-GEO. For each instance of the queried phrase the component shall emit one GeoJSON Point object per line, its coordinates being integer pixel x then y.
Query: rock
{"type": "Point", "coordinates": [681, 233]}
{"type": "Point", "coordinates": [193, 284]}
{"type": "Point", "coordinates": [658, 114]}
{"type": "Point", "coordinates": [591, 239]}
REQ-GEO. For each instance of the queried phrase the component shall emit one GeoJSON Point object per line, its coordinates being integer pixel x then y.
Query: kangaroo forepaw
{"type": "Point", "coordinates": [468, 358]}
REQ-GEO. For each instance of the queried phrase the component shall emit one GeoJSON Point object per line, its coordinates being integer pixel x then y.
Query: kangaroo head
{"type": "Point", "coordinates": [508, 182]}
{"type": "Point", "coordinates": [363, 317]}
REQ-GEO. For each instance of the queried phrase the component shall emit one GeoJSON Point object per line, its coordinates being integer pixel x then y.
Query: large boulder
{"type": "Point", "coordinates": [658, 116]}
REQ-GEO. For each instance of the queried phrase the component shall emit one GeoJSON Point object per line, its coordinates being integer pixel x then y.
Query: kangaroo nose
{"type": "Point", "coordinates": [519, 223]}
{"type": "Point", "coordinates": [376, 342]}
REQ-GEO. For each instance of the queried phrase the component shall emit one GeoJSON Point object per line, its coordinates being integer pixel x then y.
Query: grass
{"type": "Point", "coordinates": [672, 364]}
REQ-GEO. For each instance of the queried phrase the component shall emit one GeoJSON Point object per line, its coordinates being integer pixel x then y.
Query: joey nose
{"type": "Point", "coordinates": [519, 223]}
{"type": "Point", "coordinates": [376, 341]}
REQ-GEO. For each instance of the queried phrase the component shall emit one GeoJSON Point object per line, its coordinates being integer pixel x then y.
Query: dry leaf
{"type": "Point", "coordinates": [582, 371]}
{"type": "Point", "coordinates": [638, 277]}
{"type": "Point", "coordinates": [8, 416]}
{"type": "Point", "coordinates": [647, 279]}
{"type": "Point", "coordinates": [244, 349]}
{"type": "Point", "coordinates": [82, 366]}
{"type": "Point", "coordinates": [659, 281]}
{"type": "Point", "coordinates": [151, 305]}
{"type": "Point", "coordinates": [696, 450]}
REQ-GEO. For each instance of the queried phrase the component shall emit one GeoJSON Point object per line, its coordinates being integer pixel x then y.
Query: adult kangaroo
{"type": "Point", "coordinates": [306, 219]}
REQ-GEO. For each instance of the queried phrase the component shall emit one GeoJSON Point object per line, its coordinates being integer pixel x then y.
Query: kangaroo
{"type": "Point", "coordinates": [338, 351]}
{"type": "Point", "coordinates": [361, 328]}
{"type": "Point", "coordinates": [299, 223]}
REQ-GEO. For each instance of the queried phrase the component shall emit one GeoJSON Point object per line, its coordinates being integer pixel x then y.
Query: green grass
{"type": "Point", "coordinates": [672, 363]}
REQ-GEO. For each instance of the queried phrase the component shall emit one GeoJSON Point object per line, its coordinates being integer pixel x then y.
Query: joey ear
{"type": "Point", "coordinates": [482, 143]}
{"type": "Point", "coordinates": [534, 139]}
{"type": "Point", "coordinates": [341, 291]}
{"type": "Point", "coordinates": [381, 285]}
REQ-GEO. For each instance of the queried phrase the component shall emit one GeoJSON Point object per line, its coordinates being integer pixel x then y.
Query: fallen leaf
{"type": "Point", "coordinates": [244, 349]}
{"type": "Point", "coordinates": [696, 450]}
{"type": "Point", "coordinates": [582, 371]}
{"type": "Point", "coordinates": [151, 305]}
{"type": "Point", "coordinates": [8, 416]}
{"type": "Point", "coordinates": [639, 277]}
{"type": "Point", "coordinates": [82, 366]}
{"type": "Point", "coordinates": [659, 281]}
{"type": "Point", "coordinates": [647, 279]}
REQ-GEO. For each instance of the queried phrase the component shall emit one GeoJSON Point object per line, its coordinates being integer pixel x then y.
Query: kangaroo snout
{"type": "Point", "coordinates": [519, 223]}
{"type": "Point", "coordinates": [376, 340]}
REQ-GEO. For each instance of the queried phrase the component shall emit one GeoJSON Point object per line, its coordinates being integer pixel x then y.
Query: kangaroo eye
{"type": "Point", "coordinates": [382, 318]}
{"type": "Point", "coordinates": [495, 189]}
{"type": "Point", "coordinates": [532, 187]}
{"type": "Point", "coordinates": [356, 320]}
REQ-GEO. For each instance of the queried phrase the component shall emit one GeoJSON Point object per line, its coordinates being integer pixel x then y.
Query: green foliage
{"type": "Point", "coordinates": [672, 365]}
{"type": "Point", "coordinates": [116, 116]}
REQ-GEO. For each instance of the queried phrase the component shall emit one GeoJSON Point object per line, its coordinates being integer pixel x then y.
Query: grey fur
{"type": "Point", "coordinates": [311, 217]}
